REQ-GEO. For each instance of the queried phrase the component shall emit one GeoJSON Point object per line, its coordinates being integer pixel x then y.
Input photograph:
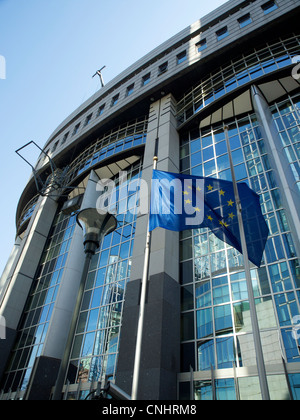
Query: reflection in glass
{"type": "Point", "coordinates": [203, 390]}
{"type": "Point", "coordinates": [218, 262]}
{"type": "Point", "coordinates": [187, 298]}
{"type": "Point", "coordinates": [223, 319]}
{"type": "Point", "coordinates": [203, 294]}
{"type": "Point", "coordinates": [278, 388]}
{"type": "Point", "coordinates": [265, 312]}
{"type": "Point", "coordinates": [225, 389]}
{"type": "Point", "coordinates": [206, 357]}
{"type": "Point", "coordinates": [204, 323]}
{"type": "Point", "coordinates": [242, 320]}
{"type": "Point", "coordinates": [225, 352]}
{"type": "Point", "coordinates": [249, 388]}
{"type": "Point", "coordinates": [202, 268]}
{"type": "Point", "coordinates": [187, 326]}
{"type": "Point", "coordinates": [286, 307]}
{"type": "Point", "coordinates": [291, 345]}
{"type": "Point", "coordinates": [238, 286]}
{"type": "Point", "coordinates": [220, 290]}
{"type": "Point", "coordinates": [294, 380]}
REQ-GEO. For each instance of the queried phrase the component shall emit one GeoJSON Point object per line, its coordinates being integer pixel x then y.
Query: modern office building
{"type": "Point", "coordinates": [236, 66]}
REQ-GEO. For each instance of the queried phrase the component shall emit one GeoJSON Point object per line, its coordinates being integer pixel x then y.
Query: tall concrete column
{"type": "Point", "coordinates": [17, 283]}
{"type": "Point", "coordinates": [47, 365]}
{"type": "Point", "coordinates": [283, 174]}
{"type": "Point", "coordinates": [161, 339]}
{"type": "Point", "coordinates": [9, 267]}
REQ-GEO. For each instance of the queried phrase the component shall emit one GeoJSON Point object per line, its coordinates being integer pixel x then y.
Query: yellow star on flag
{"type": "Point", "coordinates": [223, 224]}
{"type": "Point", "coordinates": [222, 192]}
{"type": "Point", "coordinates": [210, 187]}
{"type": "Point", "coordinates": [230, 203]}
{"type": "Point", "coordinates": [188, 201]}
{"type": "Point", "coordinates": [231, 216]}
{"type": "Point", "coordinates": [197, 209]}
{"type": "Point", "coordinates": [185, 193]}
{"type": "Point", "coordinates": [210, 218]}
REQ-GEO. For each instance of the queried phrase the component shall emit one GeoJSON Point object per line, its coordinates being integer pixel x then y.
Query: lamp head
{"type": "Point", "coordinates": [95, 226]}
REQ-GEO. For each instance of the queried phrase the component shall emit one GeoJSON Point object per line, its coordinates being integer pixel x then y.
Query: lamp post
{"type": "Point", "coordinates": [95, 226]}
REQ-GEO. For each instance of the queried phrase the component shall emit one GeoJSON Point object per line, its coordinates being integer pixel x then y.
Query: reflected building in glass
{"type": "Point", "coordinates": [239, 66]}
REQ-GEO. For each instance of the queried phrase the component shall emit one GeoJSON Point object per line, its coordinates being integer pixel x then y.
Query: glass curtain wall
{"type": "Point", "coordinates": [39, 307]}
{"type": "Point", "coordinates": [95, 346]}
{"type": "Point", "coordinates": [238, 72]}
{"type": "Point", "coordinates": [286, 115]}
{"type": "Point", "coordinates": [216, 325]}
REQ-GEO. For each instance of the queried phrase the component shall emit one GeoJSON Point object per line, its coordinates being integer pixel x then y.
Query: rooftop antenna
{"type": "Point", "coordinates": [100, 75]}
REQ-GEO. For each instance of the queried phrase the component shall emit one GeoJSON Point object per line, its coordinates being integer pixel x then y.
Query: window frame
{"type": "Point", "coordinates": [222, 33]}
{"type": "Point", "coordinates": [245, 20]}
{"type": "Point", "coordinates": [64, 139]}
{"type": "Point", "coordinates": [100, 110]}
{"type": "Point", "coordinates": [76, 129]}
{"type": "Point", "coordinates": [269, 7]}
{"type": "Point", "coordinates": [88, 119]}
{"type": "Point", "coordinates": [163, 68]}
{"type": "Point", "coordinates": [181, 57]}
{"type": "Point", "coordinates": [201, 45]}
{"type": "Point", "coordinates": [146, 79]}
{"type": "Point", "coordinates": [129, 90]}
{"type": "Point", "coordinates": [115, 100]}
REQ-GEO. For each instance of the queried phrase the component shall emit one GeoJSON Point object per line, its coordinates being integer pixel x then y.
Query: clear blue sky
{"type": "Point", "coordinates": [52, 48]}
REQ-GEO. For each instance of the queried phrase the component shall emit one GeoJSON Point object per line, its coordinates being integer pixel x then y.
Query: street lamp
{"type": "Point", "coordinates": [95, 225]}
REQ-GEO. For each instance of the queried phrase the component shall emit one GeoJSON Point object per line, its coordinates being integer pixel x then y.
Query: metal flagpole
{"type": "Point", "coordinates": [138, 348]}
{"type": "Point", "coordinates": [254, 321]}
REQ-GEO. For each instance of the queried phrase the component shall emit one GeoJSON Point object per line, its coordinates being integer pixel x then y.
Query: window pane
{"type": "Point", "coordinates": [249, 388]}
{"type": "Point", "coordinates": [88, 344]}
{"type": "Point", "coordinates": [222, 33]}
{"type": "Point", "coordinates": [245, 20]}
{"type": "Point", "coordinates": [225, 352]}
{"type": "Point", "coordinates": [208, 153]}
{"type": "Point", "coordinates": [187, 326]}
{"type": "Point", "coordinates": [92, 323]}
{"type": "Point", "coordinates": [203, 391]}
{"type": "Point", "coordinates": [206, 355]}
{"type": "Point", "coordinates": [223, 319]}
{"type": "Point", "coordinates": [220, 290]}
{"type": "Point", "coordinates": [269, 7]}
{"type": "Point", "coordinates": [223, 162]}
{"type": "Point", "coordinates": [238, 286]}
{"type": "Point", "coordinates": [203, 294]}
{"type": "Point", "coordinates": [242, 318]}
{"type": "Point", "coordinates": [286, 307]}
{"type": "Point", "coordinates": [204, 323]}
{"type": "Point", "coordinates": [187, 298]}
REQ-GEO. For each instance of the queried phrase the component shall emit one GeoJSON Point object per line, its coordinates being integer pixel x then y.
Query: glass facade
{"type": "Point", "coordinates": [95, 346]}
{"type": "Point", "coordinates": [39, 307]}
{"type": "Point", "coordinates": [216, 325]}
{"type": "Point", "coordinates": [286, 115]}
{"type": "Point", "coordinates": [236, 73]}
{"type": "Point", "coordinates": [120, 139]}
{"type": "Point", "coordinates": [217, 352]}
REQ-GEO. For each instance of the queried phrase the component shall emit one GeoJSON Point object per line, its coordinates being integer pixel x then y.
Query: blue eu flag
{"type": "Point", "coordinates": [180, 202]}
